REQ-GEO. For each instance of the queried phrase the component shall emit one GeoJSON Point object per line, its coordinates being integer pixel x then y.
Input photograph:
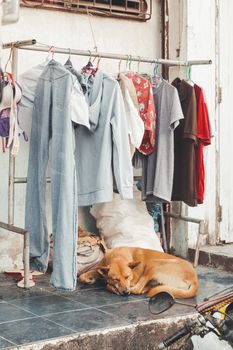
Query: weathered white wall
{"type": "Point", "coordinates": [201, 44]}
{"type": "Point", "coordinates": [225, 121]}
{"type": "Point", "coordinates": [67, 30]}
{"type": "Point", "coordinates": [195, 24]}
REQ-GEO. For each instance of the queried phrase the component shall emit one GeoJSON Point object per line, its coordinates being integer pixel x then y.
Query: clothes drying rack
{"type": "Point", "coordinates": [32, 45]}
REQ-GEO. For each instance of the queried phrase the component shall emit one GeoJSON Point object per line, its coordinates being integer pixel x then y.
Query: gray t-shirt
{"type": "Point", "coordinates": [158, 167]}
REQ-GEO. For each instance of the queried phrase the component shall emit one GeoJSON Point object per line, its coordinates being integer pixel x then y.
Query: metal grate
{"type": "Point", "coordinates": [130, 9]}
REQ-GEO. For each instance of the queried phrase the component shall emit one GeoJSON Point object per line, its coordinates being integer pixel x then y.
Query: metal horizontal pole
{"type": "Point", "coordinates": [12, 228]}
{"type": "Point", "coordinates": [32, 46]}
{"type": "Point", "coordinates": [115, 56]}
{"type": "Point", "coordinates": [23, 180]}
{"type": "Point", "coordinates": [19, 43]}
{"type": "Point", "coordinates": [184, 218]}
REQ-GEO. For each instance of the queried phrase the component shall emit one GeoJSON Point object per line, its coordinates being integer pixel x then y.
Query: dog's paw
{"type": "Point", "coordinates": [87, 279]}
{"type": "Point", "coordinates": [112, 289]}
{"type": "Point", "coordinates": [91, 280]}
{"type": "Point", "coordinates": [135, 291]}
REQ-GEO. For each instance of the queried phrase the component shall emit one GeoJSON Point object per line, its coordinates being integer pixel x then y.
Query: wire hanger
{"type": "Point", "coordinates": [156, 78]}
{"type": "Point", "coordinates": [89, 63]}
{"type": "Point", "coordinates": [98, 61]}
{"type": "Point", "coordinates": [188, 70]}
{"type": "Point", "coordinates": [51, 51]}
{"type": "Point", "coordinates": [68, 62]}
{"type": "Point", "coordinates": [126, 65]}
{"type": "Point", "coordinates": [89, 68]}
{"type": "Point", "coordinates": [9, 60]}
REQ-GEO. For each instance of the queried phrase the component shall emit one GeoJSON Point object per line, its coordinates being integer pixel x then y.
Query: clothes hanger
{"type": "Point", "coordinates": [10, 90]}
{"type": "Point", "coordinates": [139, 61]}
{"type": "Point", "coordinates": [126, 70]}
{"type": "Point", "coordinates": [130, 62]}
{"type": "Point", "coordinates": [119, 70]}
{"type": "Point", "coordinates": [98, 62]}
{"type": "Point", "coordinates": [156, 79]}
{"type": "Point", "coordinates": [7, 78]}
{"type": "Point", "coordinates": [89, 68]}
{"type": "Point", "coordinates": [119, 66]}
{"type": "Point", "coordinates": [89, 63]}
{"type": "Point", "coordinates": [52, 51]}
{"type": "Point", "coordinates": [9, 60]}
{"type": "Point", "coordinates": [143, 74]}
{"type": "Point", "coordinates": [68, 62]}
{"type": "Point", "coordinates": [188, 70]}
{"type": "Point", "coordinates": [47, 59]}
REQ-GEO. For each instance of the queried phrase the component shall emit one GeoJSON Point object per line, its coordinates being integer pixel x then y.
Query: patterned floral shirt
{"type": "Point", "coordinates": [146, 110]}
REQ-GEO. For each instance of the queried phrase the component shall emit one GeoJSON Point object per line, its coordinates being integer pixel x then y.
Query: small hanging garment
{"type": "Point", "coordinates": [9, 124]}
{"type": "Point", "coordinates": [203, 136]}
{"type": "Point", "coordinates": [134, 121]}
{"type": "Point", "coordinates": [146, 110]}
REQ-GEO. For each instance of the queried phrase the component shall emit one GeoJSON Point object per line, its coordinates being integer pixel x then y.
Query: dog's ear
{"type": "Point", "coordinates": [133, 264]}
{"type": "Point", "coordinates": [103, 270]}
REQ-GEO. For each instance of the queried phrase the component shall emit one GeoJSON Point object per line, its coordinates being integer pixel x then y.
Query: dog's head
{"type": "Point", "coordinates": [119, 276]}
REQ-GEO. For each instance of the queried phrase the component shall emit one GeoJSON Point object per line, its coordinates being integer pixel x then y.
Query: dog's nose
{"type": "Point", "coordinates": [126, 292]}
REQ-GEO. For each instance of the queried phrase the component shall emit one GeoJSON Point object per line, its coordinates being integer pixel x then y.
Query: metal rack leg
{"type": "Point", "coordinates": [165, 247]}
{"type": "Point", "coordinates": [26, 260]}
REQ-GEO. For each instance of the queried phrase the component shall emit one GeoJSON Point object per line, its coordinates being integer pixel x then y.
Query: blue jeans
{"type": "Point", "coordinates": [52, 126]}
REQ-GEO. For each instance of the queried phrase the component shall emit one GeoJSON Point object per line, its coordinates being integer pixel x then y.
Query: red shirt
{"type": "Point", "coordinates": [146, 111]}
{"type": "Point", "coordinates": [203, 137]}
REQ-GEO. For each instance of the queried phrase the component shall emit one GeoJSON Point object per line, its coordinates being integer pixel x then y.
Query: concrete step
{"type": "Point", "coordinates": [219, 256]}
{"type": "Point", "coordinates": [102, 320]}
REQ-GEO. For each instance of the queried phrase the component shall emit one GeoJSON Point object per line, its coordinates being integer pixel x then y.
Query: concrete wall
{"type": "Point", "coordinates": [193, 22]}
{"type": "Point", "coordinates": [67, 30]}
{"type": "Point", "coordinates": [225, 120]}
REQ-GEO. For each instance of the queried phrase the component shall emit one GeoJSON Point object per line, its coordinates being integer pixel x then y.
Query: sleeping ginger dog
{"type": "Point", "coordinates": [137, 271]}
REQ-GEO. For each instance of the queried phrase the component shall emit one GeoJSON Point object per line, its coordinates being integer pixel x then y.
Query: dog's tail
{"type": "Point", "coordinates": [176, 292]}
